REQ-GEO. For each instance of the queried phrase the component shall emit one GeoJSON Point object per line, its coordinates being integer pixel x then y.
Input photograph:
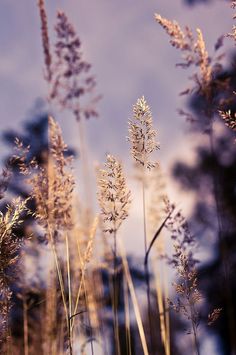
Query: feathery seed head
{"type": "Point", "coordinates": [202, 59]}
{"type": "Point", "coordinates": [229, 118]}
{"type": "Point", "coordinates": [71, 82]}
{"type": "Point", "coordinates": [9, 255]}
{"type": "Point", "coordinates": [45, 40]}
{"type": "Point", "coordinates": [142, 135]}
{"type": "Point", "coordinates": [113, 195]}
{"type": "Point", "coordinates": [194, 51]}
{"type": "Point", "coordinates": [178, 38]}
{"type": "Point", "coordinates": [53, 183]}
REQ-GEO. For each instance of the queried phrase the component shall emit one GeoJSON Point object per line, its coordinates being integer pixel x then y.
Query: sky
{"type": "Point", "coordinates": [131, 57]}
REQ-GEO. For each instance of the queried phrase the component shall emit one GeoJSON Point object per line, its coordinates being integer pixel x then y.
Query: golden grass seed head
{"type": "Point", "coordinates": [113, 194]}
{"type": "Point", "coordinates": [142, 135]}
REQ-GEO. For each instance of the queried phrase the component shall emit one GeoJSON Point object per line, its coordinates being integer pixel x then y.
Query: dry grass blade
{"type": "Point", "coordinates": [134, 299]}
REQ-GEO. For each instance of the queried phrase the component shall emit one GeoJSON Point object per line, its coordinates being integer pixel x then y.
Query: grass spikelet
{"type": "Point", "coordinates": [113, 195]}
{"type": "Point", "coordinates": [45, 40]}
{"type": "Point", "coordinates": [229, 119]}
{"type": "Point", "coordinates": [193, 50]}
{"type": "Point", "coordinates": [188, 295]}
{"type": "Point", "coordinates": [142, 135]}
{"type": "Point", "coordinates": [71, 79]}
{"type": "Point", "coordinates": [9, 255]}
{"type": "Point", "coordinates": [202, 60]}
{"type": "Point", "coordinates": [179, 39]}
{"type": "Point", "coordinates": [114, 200]}
{"type": "Point", "coordinates": [53, 185]}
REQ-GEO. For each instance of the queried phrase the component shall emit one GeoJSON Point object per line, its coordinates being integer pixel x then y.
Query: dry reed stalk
{"type": "Point", "coordinates": [127, 318]}
{"type": "Point", "coordinates": [52, 189]}
{"type": "Point", "coordinates": [56, 169]}
{"type": "Point", "coordinates": [84, 254]}
{"type": "Point", "coordinates": [167, 313]}
{"type": "Point", "coordinates": [100, 293]}
{"type": "Point", "coordinates": [50, 318]}
{"type": "Point", "coordinates": [114, 200]}
{"type": "Point", "coordinates": [142, 137]}
{"type": "Point", "coordinates": [156, 213]}
{"type": "Point", "coordinates": [26, 329]}
{"type": "Point", "coordinates": [84, 260]}
{"type": "Point", "coordinates": [89, 300]}
{"type": "Point", "coordinates": [133, 298]}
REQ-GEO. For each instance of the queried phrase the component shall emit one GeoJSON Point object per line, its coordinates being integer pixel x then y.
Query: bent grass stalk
{"type": "Point", "coordinates": [83, 262]}
{"type": "Point", "coordinates": [114, 200]}
{"type": "Point", "coordinates": [133, 298]}
{"type": "Point", "coordinates": [127, 318]}
{"type": "Point", "coordinates": [142, 137]}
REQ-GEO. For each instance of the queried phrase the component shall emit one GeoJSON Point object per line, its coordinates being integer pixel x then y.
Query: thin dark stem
{"type": "Point", "coordinates": [144, 217]}
{"type": "Point", "coordinates": [147, 277]}
{"type": "Point", "coordinates": [115, 298]}
{"type": "Point", "coordinates": [147, 272]}
{"type": "Point", "coordinates": [155, 237]}
{"type": "Point", "coordinates": [76, 314]}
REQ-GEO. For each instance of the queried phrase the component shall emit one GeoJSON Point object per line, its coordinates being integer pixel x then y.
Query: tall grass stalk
{"type": "Point", "coordinates": [133, 298]}
{"type": "Point", "coordinates": [127, 318]}
{"type": "Point", "coordinates": [142, 137]}
{"type": "Point", "coordinates": [115, 296]}
{"type": "Point", "coordinates": [114, 200]}
{"type": "Point", "coordinates": [69, 292]}
{"type": "Point", "coordinates": [26, 329]}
